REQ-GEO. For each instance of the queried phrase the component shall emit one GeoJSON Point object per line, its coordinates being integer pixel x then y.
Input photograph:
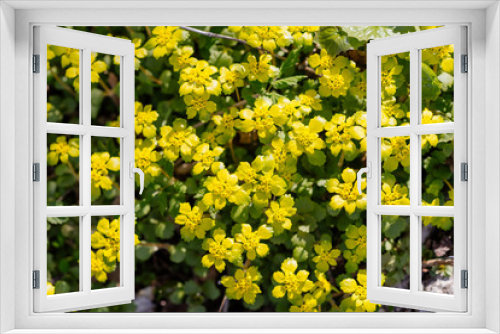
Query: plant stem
{"type": "Point", "coordinates": [151, 76]}
{"type": "Point", "coordinates": [214, 35]}
{"type": "Point", "coordinates": [109, 92]}
{"type": "Point", "coordinates": [65, 85]}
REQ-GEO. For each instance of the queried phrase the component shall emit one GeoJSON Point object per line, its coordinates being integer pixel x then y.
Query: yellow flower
{"type": "Point", "coordinates": [395, 151]}
{"type": "Point", "coordinates": [358, 87]}
{"type": "Point", "coordinates": [303, 35]}
{"type": "Point", "coordinates": [200, 104]}
{"type": "Point", "coordinates": [224, 187]}
{"type": "Point", "coordinates": [290, 283]}
{"type": "Point", "coordinates": [310, 101]}
{"type": "Point", "coordinates": [346, 194]}
{"type": "Point", "coordinates": [327, 257]}
{"type": "Point", "coordinates": [194, 223]}
{"type": "Point", "coordinates": [181, 58]}
{"type": "Point", "coordinates": [305, 138]}
{"type": "Point", "coordinates": [278, 215]}
{"type": "Point", "coordinates": [432, 56]}
{"type": "Point", "coordinates": [225, 124]}
{"type": "Point", "coordinates": [340, 133]}
{"type": "Point", "coordinates": [353, 260]}
{"type": "Point", "coordinates": [146, 156]}
{"type": "Point", "coordinates": [325, 62]}
{"type": "Point", "coordinates": [140, 53]}
{"type": "Point", "coordinates": [178, 139]}
{"type": "Point", "coordinates": [356, 239]}
{"type": "Point", "coordinates": [260, 70]}
{"type": "Point", "coordinates": [251, 240]}
{"type": "Point", "coordinates": [306, 304]}
{"type": "Point", "coordinates": [394, 195]}
{"type": "Point", "coordinates": [164, 40]}
{"type": "Point", "coordinates": [268, 37]}
{"type": "Point", "coordinates": [428, 117]}
{"type": "Point", "coordinates": [357, 301]}
{"type": "Point", "coordinates": [99, 266]}
{"type": "Point", "coordinates": [392, 78]}
{"type": "Point", "coordinates": [62, 150]}
{"type": "Point", "coordinates": [107, 237]}
{"type": "Point", "coordinates": [243, 285]}
{"type": "Point", "coordinates": [50, 289]}
{"type": "Point", "coordinates": [231, 78]}
{"type": "Point", "coordinates": [322, 288]}
{"type": "Point", "coordinates": [205, 157]}
{"type": "Point", "coordinates": [263, 118]}
{"type": "Point", "coordinates": [198, 80]}
{"type": "Point", "coordinates": [392, 113]}
{"type": "Point", "coordinates": [101, 163]}
{"type": "Point", "coordinates": [336, 81]}
{"type": "Point", "coordinates": [144, 119]}
{"type": "Point", "coordinates": [221, 249]}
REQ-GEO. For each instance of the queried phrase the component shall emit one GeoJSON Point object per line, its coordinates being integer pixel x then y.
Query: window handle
{"type": "Point", "coordinates": [368, 171]}
{"type": "Point", "coordinates": [141, 175]}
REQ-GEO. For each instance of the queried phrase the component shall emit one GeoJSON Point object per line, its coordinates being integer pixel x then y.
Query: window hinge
{"type": "Point", "coordinates": [36, 63]}
{"type": "Point", "coordinates": [464, 171]}
{"type": "Point", "coordinates": [464, 279]}
{"type": "Point", "coordinates": [36, 172]}
{"type": "Point", "coordinates": [36, 279]}
{"type": "Point", "coordinates": [465, 64]}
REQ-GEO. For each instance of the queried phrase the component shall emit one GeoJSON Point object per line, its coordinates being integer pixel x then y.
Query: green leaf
{"type": "Point", "coordinates": [210, 290]}
{"type": "Point", "coordinates": [240, 214]}
{"type": "Point", "coordinates": [219, 58]}
{"type": "Point", "coordinates": [318, 158]}
{"type": "Point", "coordinates": [431, 86]}
{"type": "Point", "coordinates": [143, 253]}
{"type": "Point", "coordinates": [177, 253]}
{"type": "Point", "coordinates": [164, 230]}
{"type": "Point", "coordinates": [364, 34]}
{"type": "Point", "coordinates": [191, 287]}
{"type": "Point", "coordinates": [304, 205]}
{"type": "Point", "coordinates": [287, 82]}
{"type": "Point", "coordinates": [300, 254]}
{"type": "Point", "coordinates": [62, 287]}
{"type": "Point", "coordinates": [334, 40]}
{"type": "Point", "coordinates": [289, 64]}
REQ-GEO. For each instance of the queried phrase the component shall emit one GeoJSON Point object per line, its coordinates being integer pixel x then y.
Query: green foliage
{"type": "Point", "coordinates": [250, 152]}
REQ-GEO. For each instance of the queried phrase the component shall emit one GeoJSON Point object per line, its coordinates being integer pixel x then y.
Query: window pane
{"type": "Point", "coordinates": [437, 255]}
{"type": "Point", "coordinates": [105, 93]}
{"type": "Point", "coordinates": [437, 169]}
{"type": "Point", "coordinates": [396, 251]}
{"type": "Point", "coordinates": [437, 84]}
{"type": "Point", "coordinates": [63, 255]}
{"type": "Point", "coordinates": [395, 89]}
{"type": "Point", "coordinates": [63, 167]}
{"type": "Point", "coordinates": [105, 253]}
{"type": "Point", "coordinates": [105, 171]}
{"type": "Point", "coordinates": [63, 84]}
{"type": "Point", "coordinates": [395, 156]}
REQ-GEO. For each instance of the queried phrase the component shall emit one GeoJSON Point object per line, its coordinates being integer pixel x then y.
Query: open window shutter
{"type": "Point", "coordinates": [427, 84]}
{"type": "Point", "coordinates": [84, 213]}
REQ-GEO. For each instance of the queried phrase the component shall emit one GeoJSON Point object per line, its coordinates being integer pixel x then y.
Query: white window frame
{"type": "Point", "coordinates": [18, 18]}
{"type": "Point", "coordinates": [415, 297]}
{"type": "Point", "coordinates": [86, 43]}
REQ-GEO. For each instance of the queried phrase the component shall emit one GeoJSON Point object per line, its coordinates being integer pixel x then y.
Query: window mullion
{"type": "Point", "coordinates": [415, 243]}
{"type": "Point", "coordinates": [85, 150]}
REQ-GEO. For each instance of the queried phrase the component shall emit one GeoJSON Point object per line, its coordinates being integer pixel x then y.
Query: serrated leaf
{"type": "Point", "coordinates": [287, 82]}
{"type": "Point", "coordinates": [334, 40]}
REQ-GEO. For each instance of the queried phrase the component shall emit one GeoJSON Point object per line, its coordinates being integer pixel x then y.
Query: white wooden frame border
{"type": "Point", "coordinates": [485, 26]}
{"type": "Point", "coordinates": [414, 296]}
